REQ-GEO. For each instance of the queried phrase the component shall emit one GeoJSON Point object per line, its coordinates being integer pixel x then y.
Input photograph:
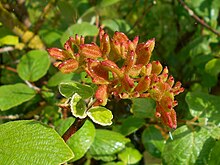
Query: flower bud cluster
{"type": "Point", "coordinates": [122, 68]}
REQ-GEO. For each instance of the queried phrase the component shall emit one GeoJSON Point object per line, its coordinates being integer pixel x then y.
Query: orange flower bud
{"type": "Point", "coordinates": [105, 45]}
{"type": "Point", "coordinates": [143, 84]}
{"type": "Point", "coordinates": [111, 66]}
{"type": "Point", "coordinates": [90, 51]}
{"type": "Point", "coordinates": [58, 54]}
{"type": "Point", "coordinates": [68, 66]}
{"type": "Point", "coordinates": [101, 95]}
{"type": "Point", "coordinates": [156, 67]}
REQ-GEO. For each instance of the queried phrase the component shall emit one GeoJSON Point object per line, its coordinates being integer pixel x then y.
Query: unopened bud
{"type": "Point", "coordinates": [156, 67]}
{"type": "Point", "coordinates": [68, 66]}
{"type": "Point", "coordinates": [90, 51]}
{"type": "Point", "coordinates": [58, 54]}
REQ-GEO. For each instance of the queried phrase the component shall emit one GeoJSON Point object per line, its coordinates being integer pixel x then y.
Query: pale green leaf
{"type": "Point", "coordinates": [59, 77]}
{"type": "Point", "coordinates": [78, 106]}
{"type": "Point", "coordinates": [100, 115]}
{"type": "Point", "coordinates": [13, 95]}
{"type": "Point", "coordinates": [9, 40]}
{"type": "Point", "coordinates": [33, 65]}
{"type": "Point", "coordinates": [30, 142]}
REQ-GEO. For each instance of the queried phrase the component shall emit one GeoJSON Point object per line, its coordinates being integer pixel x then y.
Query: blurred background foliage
{"type": "Point", "coordinates": [187, 37]}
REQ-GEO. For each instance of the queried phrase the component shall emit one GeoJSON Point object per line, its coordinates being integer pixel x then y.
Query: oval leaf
{"type": "Point", "coordinates": [31, 142]}
{"type": "Point", "coordinates": [33, 65]}
{"type": "Point", "coordinates": [107, 143]}
{"type": "Point", "coordinates": [100, 115]}
{"type": "Point", "coordinates": [81, 141]}
{"type": "Point", "coordinates": [130, 155]}
{"type": "Point", "coordinates": [186, 146]}
{"type": "Point", "coordinates": [67, 89]}
{"type": "Point", "coordinates": [78, 106]}
{"type": "Point", "coordinates": [13, 95]}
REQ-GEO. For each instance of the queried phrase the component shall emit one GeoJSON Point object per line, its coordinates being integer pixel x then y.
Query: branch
{"type": "Point", "coordinates": [199, 20]}
{"type": "Point", "coordinates": [73, 128]}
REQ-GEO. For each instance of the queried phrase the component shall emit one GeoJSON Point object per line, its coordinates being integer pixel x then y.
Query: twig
{"type": "Point", "coordinates": [73, 128]}
{"type": "Point", "coordinates": [199, 20]}
{"type": "Point", "coordinates": [32, 86]}
{"type": "Point", "coordinates": [41, 19]}
{"type": "Point", "coordinates": [10, 117]}
{"type": "Point", "coordinates": [6, 49]}
{"type": "Point", "coordinates": [142, 16]}
{"type": "Point", "coordinates": [8, 68]}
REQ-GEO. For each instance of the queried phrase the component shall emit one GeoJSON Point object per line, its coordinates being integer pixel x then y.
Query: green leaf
{"type": "Point", "coordinates": [81, 141]}
{"type": "Point", "coordinates": [214, 155]}
{"type": "Point", "coordinates": [105, 3]}
{"type": "Point", "coordinates": [33, 65]}
{"type": "Point", "coordinates": [213, 68]}
{"type": "Point", "coordinates": [153, 141]}
{"type": "Point", "coordinates": [186, 146]}
{"type": "Point", "coordinates": [105, 158]}
{"type": "Point", "coordinates": [130, 155]}
{"type": "Point", "coordinates": [84, 29]}
{"type": "Point", "coordinates": [9, 40]}
{"type": "Point", "coordinates": [30, 142]}
{"type": "Point", "coordinates": [78, 106]}
{"type": "Point", "coordinates": [203, 105]}
{"type": "Point", "coordinates": [63, 124]}
{"type": "Point", "coordinates": [114, 163]}
{"type": "Point", "coordinates": [100, 115]}
{"type": "Point", "coordinates": [67, 89]}
{"type": "Point", "coordinates": [58, 78]}
{"type": "Point", "coordinates": [130, 125]}
{"type": "Point", "coordinates": [13, 95]}
{"type": "Point", "coordinates": [143, 107]}
{"type": "Point", "coordinates": [107, 143]}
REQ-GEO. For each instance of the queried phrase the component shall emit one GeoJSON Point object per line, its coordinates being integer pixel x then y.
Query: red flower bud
{"type": "Point", "coordinates": [111, 66]}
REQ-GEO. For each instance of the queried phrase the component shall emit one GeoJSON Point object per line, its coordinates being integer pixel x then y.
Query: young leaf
{"type": "Point", "coordinates": [33, 65]}
{"type": "Point", "coordinates": [107, 143]}
{"type": "Point", "coordinates": [100, 115]}
{"type": "Point", "coordinates": [67, 89]}
{"type": "Point", "coordinates": [13, 95]}
{"type": "Point", "coordinates": [78, 106]}
{"type": "Point", "coordinates": [130, 155]}
{"type": "Point", "coordinates": [31, 142]}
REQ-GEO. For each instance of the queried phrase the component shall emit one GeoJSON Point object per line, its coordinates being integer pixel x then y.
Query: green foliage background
{"type": "Point", "coordinates": [29, 84]}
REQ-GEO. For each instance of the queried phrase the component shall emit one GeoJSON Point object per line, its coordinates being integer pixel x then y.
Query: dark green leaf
{"type": "Point", "coordinates": [130, 125]}
{"type": "Point", "coordinates": [67, 89]}
{"type": "Point", "coordinates": [34, 65]}
{"type": "Point", "coordinates": [214, 155]}
{"type": "Point", "coordinates": [13, 95]}
{"type": "Point", "coordinates": [84, 29]}
{"type": "Point", "coordinates": [30, 142]}
{"type": "Point", "coordinates": [143, 107]}
{"type": "Point", "coordinates": [107, 143]}
{"type": "Point", "coordinates": [153, 141]}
